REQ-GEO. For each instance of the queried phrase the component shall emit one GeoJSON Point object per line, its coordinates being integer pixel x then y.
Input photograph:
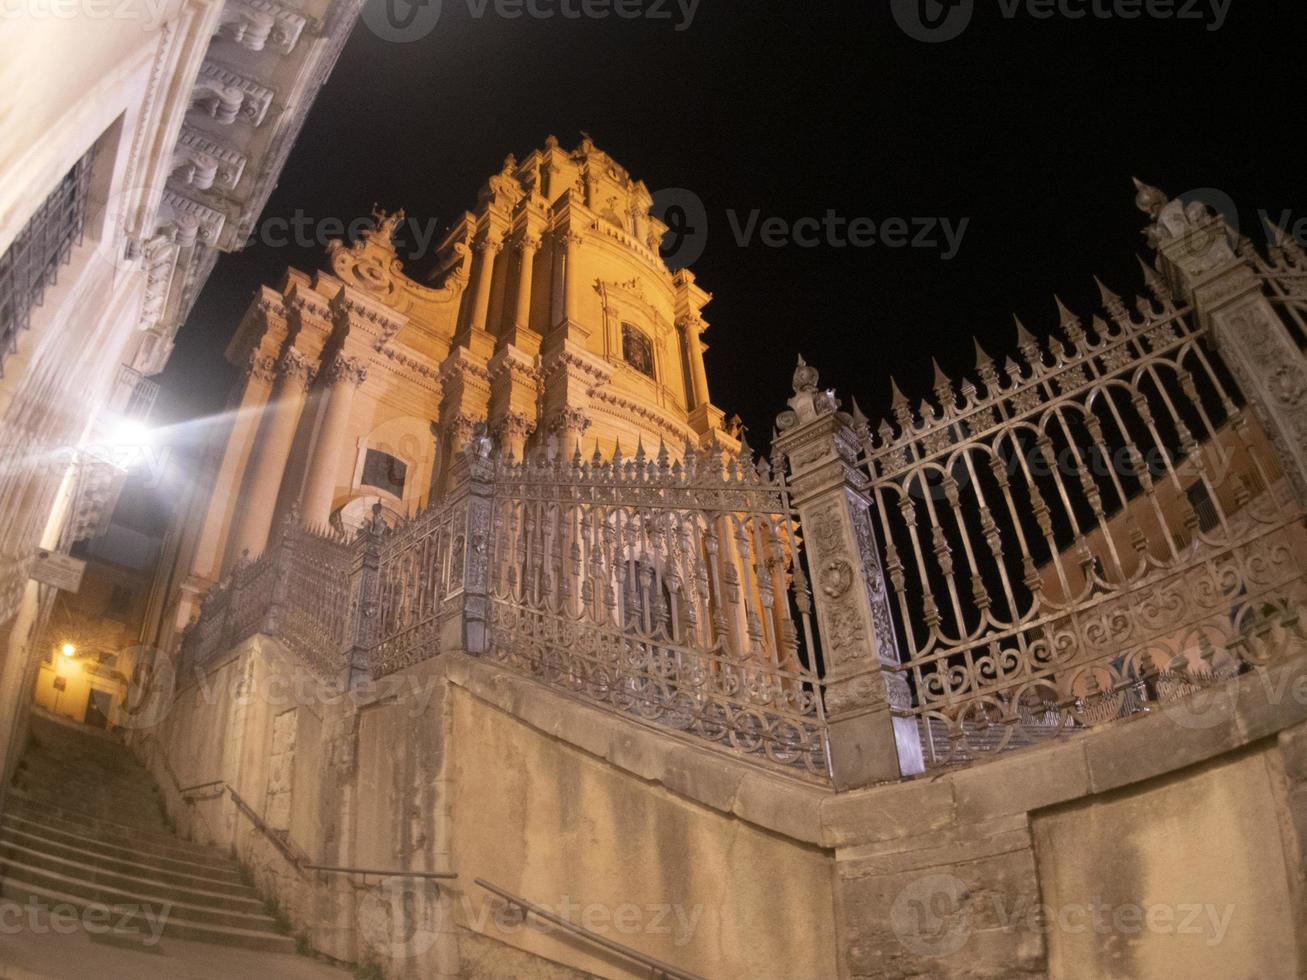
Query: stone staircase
{"type": "Point", "coordinates": [84, 828]}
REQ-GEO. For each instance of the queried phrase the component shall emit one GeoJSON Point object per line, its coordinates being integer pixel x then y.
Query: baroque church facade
{"type": "Point", "coordinates": [550, 319]}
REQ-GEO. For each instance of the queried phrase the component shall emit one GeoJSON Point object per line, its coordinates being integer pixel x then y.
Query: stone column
{"type": "Point", "coordinates": [1197, 257]}
{"type": "Point", "coordinates": [488, 248]}
{"type": "Point", "coordinates": [276, 436]}
{"type": "Point", "coordinates": [873, 738]}
{"type": "Point", "coordinates": [343, 379]}
{"type": "Point", "coordinates": [526, 249]}
{"type": "Point", "coordinates": [691, 328]}
{"type": "Point", "coordinates": [571, 243]}
{"type": "Point", "coordinates": [224, 496]}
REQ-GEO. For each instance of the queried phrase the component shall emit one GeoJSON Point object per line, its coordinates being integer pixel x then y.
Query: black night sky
{"type": "Point", "coordinates": [1029, 128]}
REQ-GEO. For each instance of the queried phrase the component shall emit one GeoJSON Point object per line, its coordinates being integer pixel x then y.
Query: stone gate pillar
{"type": "Point", "coordinates": [873, 738]}
{"type": "Point", "coordinates": [1196, 256]}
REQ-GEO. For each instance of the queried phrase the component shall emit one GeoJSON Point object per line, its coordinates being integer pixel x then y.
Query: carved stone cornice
{"type": "Point", "coordinates": [377, 322]}
{"type": "Point", "coordinates": [189, 221]}
{"type": "Point", "coordinates": [255, 24]}
{"type": "Point", "coordinates": [226, 94]}
{"type": "Point", "coordinates": [203, 163]}
{"type": "Point", "coordinates": [576, 365]}
{"type": "Point", "coordinates": [642, 413]}
{"type": "Point", "coordinates": [303, 300]}
{"type": "Point", "coordinates": [514, 365]}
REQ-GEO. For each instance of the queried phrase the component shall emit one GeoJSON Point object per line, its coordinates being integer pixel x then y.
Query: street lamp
{"type": "Point", "coordinates": [68, 650]}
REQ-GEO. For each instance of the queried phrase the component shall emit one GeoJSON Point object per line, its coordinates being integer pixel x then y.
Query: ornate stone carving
{"type": "Point", "coordinates": [261, 368]}
{"type": "Point", "coordinates": [514, 425]}
{"type": "Point", "coordinates": [296, 368]}
{"type": "Point", "coordinates": [254, 24]}
{"type": "Point", "coordinates": [569, 418]}
{"type": "Point", "coordinates": [224, 93]}
{"type": "Point", "coordinates": [203, 163]}
{"type": "Point", "coordinates": [350, 370]}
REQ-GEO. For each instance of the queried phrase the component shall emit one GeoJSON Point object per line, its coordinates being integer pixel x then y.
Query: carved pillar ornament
{"type": "Point", "coordinates": [511, 433]}
{"type": "Point", "coordinates": [487, 248]}
{"type": "Point", "coordinates": [526, 247]}
{"type": "Point", "coordinates": [872, 736]}
{"type": "Point", "coordinates": [271, 452]}
{"type": "Point", "coordinates": [343, 378]}
{"type": "Point", "coordinates": [570, 425]}
{"type": "Point", "coordinates": [1196, 255]}
{"type": "Point", "coordinates": [570, 242]}
{"type": "Point", "coordinates": [692, 327]}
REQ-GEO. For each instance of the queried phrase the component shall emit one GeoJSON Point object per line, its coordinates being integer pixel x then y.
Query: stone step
{"type": "Point", "coordinates": [70, 821]}
{"type": "Point", "coordinates": [11, 834]}
{"type": "Point", "coordinates": [219, 868]}
{"type": "Point", "coordinates": [97, 893]}
{"type": "Point", "coordinates": [174, 925]}
{"type": "Point", "coordinates": [141, 881]}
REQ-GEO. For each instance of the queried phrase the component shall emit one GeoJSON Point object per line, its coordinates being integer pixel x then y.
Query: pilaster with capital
{"type": "Point", "coordinates": [873, 736]}
{"type": "Point", "coordinates": [514, 399]}
{"type": "Point", "coordinates": [342, 379]}
{"type": "Point", "coordinates": [521, 334]}
{"type": "Point", "coordinates": [569, 377]}
{"type": "Point", "coordinates": [465, 402]}
{"type": "Point", "coordinates": [271, 452]}
{"type": "Point", "coordinates": [1197, 257]}
{"type": "Point", "coordinates": [486, 249]}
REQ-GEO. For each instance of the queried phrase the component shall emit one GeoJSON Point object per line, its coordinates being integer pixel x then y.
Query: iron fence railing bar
{"type": "Point", "coordinates": [661, 969]}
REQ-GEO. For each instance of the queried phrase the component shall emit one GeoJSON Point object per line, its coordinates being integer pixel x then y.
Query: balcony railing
{"type": "Point", "coordinates": [32, 262]}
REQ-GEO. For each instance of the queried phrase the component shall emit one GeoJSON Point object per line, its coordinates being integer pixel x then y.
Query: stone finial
{"type": "Point", "coordinates": [805, 377]}
{"type": "Point", "coordinates": [808, 402]}
{"type": "Point", "coordinates": [1149, 199]}
{"type": "Point", "coordinates": [386, 225]}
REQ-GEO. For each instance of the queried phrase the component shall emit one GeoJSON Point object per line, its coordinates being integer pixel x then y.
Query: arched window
{"type": "Point", "coordinates": [637, 349]}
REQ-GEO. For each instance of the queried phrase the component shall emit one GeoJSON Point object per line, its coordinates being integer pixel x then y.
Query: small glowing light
{"type": "Point", "coordinates": [68, 650]}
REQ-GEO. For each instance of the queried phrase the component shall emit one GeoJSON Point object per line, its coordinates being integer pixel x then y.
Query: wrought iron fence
{"type": "Point", "coordinates": [299, 591]}
{"type": "Point", "coordinates": [420, 575]}
{"type": "Point", "coordinates": [1283, 269]}
{"type": "Point", "coordinates": [1038, 528]}
{"type": "Point", "coordinates": [663, 590]}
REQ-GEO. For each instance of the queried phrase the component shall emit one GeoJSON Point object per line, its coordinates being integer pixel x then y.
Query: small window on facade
{"type": "Point", "coordinates": [120, 602]}
{"type": "Point", "coordinates": [637, 349]}
{"type": "Point", "coordinates": [385, 472]}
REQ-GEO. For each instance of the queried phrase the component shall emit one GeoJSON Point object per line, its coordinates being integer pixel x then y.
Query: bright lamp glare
{"type": "Point", "coordinates": [131, 434]}
{"type": "Point", "coordinates": [68, 650]}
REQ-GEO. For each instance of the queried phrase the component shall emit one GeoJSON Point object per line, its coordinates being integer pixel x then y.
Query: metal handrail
{"type": "Point", "coordinates": [370, 872]}
{"type": "Point", "coordinates": [660, 970]}
{"type": "Point", "coordinates": [288, 850]}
